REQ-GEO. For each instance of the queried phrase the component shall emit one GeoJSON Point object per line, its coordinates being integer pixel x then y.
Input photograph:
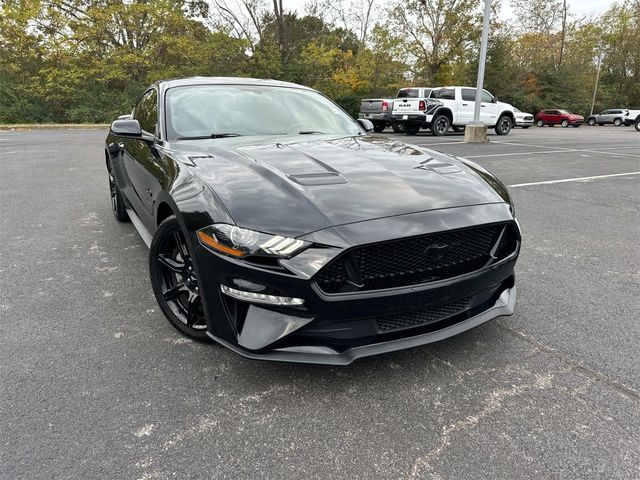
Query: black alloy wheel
{"type": "Point", "coordinates": [440, 126]}
{"type": "Point", "coordinates": [117, 203]}
{"type": "Point", "coordinates": [503, 127]}
{"type": "Point", "coordinates": [174, 280]}
{"type": "Point", "coordinates": [564, 123]}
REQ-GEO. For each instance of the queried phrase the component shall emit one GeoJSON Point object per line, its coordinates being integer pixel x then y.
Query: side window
{"type": "Point", "coordinates": [605, 112]}
{"type": "Point", "coordinates": [616, 111]}
{"type": "Point", "coordinates": [469, 94]}
{"type": "Point", "coordinates": [444, 93]}
{"type": "Point", "coordinates": [486, 97]}
{"type": "Point", "coordinates": [146, 111]}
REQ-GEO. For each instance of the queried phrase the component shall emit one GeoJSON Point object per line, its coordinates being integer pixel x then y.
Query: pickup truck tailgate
{"type": "Point", "coordinates": [373, 105]}
{"type": "Point", "coordinates": [407, 105]}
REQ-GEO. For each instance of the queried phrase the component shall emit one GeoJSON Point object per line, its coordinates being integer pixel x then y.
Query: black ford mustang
{"type": "Point", "coordinates": [281, 229]}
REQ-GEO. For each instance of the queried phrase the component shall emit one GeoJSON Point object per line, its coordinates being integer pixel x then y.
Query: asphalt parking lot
{"type": "Point", "coordinates": [94, 383]}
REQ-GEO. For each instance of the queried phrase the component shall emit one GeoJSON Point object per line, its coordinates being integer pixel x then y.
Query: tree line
{"type": "Point", "coordinates": [87, 60]}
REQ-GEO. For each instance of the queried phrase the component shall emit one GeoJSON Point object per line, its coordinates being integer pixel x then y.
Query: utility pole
{"type": "Point", "coordinates": [476, 132]}
{"type": "Point", "coordinates": [595, 88]}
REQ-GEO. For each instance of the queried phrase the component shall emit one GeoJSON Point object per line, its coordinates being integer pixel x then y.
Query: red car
{"type": "Point", "coordinates": [558, 117]}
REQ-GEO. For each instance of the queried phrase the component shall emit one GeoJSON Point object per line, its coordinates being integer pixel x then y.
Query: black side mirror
{"type": "Point", "coordinates": [366, 124]}
{"type": "Point", "coordinates": [126, 128]}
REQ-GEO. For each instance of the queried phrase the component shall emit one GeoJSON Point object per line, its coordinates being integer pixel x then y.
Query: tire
{"type": "Point", "coordinates": [617, 122]}
{"type": "Point", "coordinates": [411, 128]}
{"type": "Point", "coordinates": [504, 125]}
{"type": "Point", "coordinates": [117, 200]}
{"type": "Point", "coordinates": [540, 123]}
{"type": "Point", "coordinates": [398, 127]}
{"type": "Point", "coordinates": [637, 125]}
{"type": "Point", "coordinates": [174, 281]}
{"type": "Point", "coordinates": [591, 122]}
{"type": "Point", "coordinates": [379, 126]}
{"type": "Point", "coordinates": [440, 125]}
{"type": "Point", "coordinates": [564, 123]}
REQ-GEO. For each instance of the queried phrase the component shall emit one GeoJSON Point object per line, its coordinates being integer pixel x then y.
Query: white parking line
{"type": "Point", "coordinates": [612, 153]}
{"type": "Point", "coordinates": [579, 179]}
{"type": "Point", "coordinates": [566, 150]}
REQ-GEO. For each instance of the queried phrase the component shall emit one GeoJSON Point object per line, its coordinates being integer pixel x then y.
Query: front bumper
{"type": "Point", "coordinates": [338, 328]}
{"type": "Point", "coordinates": [504, 306]}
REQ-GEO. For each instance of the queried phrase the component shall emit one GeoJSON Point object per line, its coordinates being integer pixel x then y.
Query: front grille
{"type": "Point", "coordinates": [416, 260]}
{"type": "Point", "coordinates": [421, 317]}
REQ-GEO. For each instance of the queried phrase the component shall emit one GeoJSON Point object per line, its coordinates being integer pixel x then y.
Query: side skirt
{"type": "Point", "coordinates": [142, 230]}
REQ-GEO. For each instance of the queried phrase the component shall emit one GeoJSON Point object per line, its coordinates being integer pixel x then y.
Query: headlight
{"type": "Point", "coordinates": [241, 242]}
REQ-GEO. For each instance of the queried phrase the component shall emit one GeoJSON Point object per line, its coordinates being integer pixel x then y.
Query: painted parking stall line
{"type": "Point", "coordinates": [579, 179]}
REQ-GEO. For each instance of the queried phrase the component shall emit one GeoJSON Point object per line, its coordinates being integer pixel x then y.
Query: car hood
{"type": "Point", "coordinates": [293, 186]}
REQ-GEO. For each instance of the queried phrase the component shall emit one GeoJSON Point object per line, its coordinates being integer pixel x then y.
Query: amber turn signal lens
{"type": "Point", "coordinates": [212, 242]}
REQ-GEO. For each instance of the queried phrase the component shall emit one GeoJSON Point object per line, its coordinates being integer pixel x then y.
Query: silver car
{"type": "Point", "coordinates": [614, 115]}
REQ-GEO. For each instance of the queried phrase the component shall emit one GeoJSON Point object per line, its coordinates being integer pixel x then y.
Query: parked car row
{"type": "Point", "coordinates": [442, 108]}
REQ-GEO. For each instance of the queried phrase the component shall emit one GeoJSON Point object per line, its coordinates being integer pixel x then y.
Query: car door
{"type": "Point", "coordinates": [552, 117]}
{"type": "Point", "coordinates": [488, 109]}
{"type": "Point", "coordinates": [603, 116]}
{"type": "Point", "coordinates": [467, 106]}
{"type": "Point", "coordinates": [142, 159]}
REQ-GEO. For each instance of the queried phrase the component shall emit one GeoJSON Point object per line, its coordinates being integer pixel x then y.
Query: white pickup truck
{"type": "Point", "coordinates": [452, 107]}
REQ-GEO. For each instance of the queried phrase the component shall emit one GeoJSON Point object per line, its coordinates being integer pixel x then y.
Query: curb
{"type": "Point", "coordinates": [55, 126]}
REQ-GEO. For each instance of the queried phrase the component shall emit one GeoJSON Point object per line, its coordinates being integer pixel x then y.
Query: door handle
{"type": "Point", "coordinates": [465, 104]}
{"type": "Point", "coordinates": [483, 106]}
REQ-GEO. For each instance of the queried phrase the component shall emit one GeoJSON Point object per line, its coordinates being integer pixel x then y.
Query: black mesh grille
{"type": "Point", "coordinates": [416, 260]}
{"type": "Point", "coordinates": [421, 317]}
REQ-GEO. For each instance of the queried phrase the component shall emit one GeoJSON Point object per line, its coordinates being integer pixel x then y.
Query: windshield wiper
{"type": "Point", "coordinates": [225, 135]}
{"type": "Point", "coordinates": [308, 132]}
{"type": "Point", "coordinates": [213, 135]}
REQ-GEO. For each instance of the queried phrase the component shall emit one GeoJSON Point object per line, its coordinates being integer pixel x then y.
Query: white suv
{"type": "Point", "coordinates": [452, 107]}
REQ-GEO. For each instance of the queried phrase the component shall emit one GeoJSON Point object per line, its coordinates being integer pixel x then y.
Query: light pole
{"type": "Point", "coordinates": [476, 132]}
{"type": "Point", "coordinates": [483, 59]}
{"type": "Point", "coordinates": [595, 88]}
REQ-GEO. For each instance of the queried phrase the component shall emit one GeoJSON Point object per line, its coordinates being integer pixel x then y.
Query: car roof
{"type": "Point", "coordinates": [180, 82]}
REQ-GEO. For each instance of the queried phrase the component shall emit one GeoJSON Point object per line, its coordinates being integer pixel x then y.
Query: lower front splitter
{"type": "Point", "coordinates": [504, 306]}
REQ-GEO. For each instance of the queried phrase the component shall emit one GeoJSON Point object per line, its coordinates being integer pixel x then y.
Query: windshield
{"type": "Point", "coordinates": [203, 111]}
